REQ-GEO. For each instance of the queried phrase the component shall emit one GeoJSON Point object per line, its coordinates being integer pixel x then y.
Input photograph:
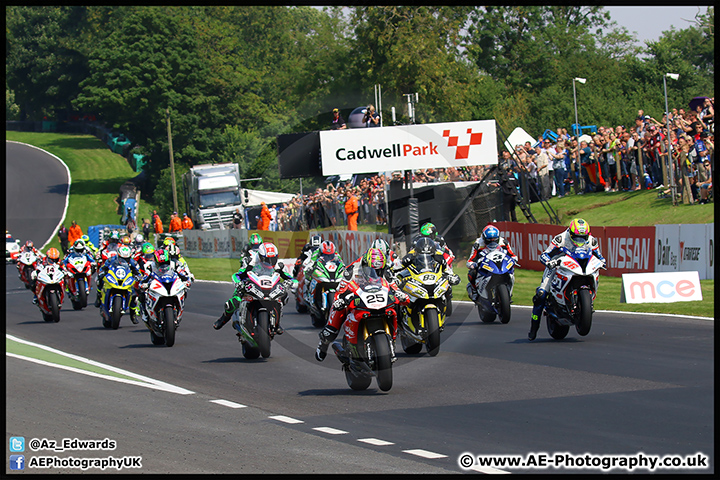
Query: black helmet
{"type": "Point", "coordinates": [315, 241]}
{"type": "Point", "coordinates": [425, 245]}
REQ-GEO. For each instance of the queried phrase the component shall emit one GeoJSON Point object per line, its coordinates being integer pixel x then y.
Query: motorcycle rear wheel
{"type": "Point", "coordinates": [317, 322]}
{"type": "Point", "coordinates": [380, 347]}
{"type": "Point", "coordinates": [409, 346]}
{"type": "Point", "coordinates": [262, 333]}
{"type": "Point", "coordinates": [585, 323]}
{"type": "Point", "coordinates": [432, 323]}
{"type": "Point", "coordinates": [169, 325]}
{"type": "Point", "coordinates": [556, 331]}
{"type": "Point", "coordinates": [485, 317]}
{"type": "Point", "coordinates": [156, 340]}
{"type": "Point", "coordinates": [251, 353]}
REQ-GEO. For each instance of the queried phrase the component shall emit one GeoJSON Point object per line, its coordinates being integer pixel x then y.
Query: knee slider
{"type": "Point", "coordinates": [540, 295]}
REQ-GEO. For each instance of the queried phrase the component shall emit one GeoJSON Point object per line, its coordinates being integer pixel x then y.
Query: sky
{"type": "Point", "coordinates": [648, 22]}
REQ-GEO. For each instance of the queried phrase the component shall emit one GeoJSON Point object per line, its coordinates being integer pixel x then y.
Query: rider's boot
{"type": "Point", "coordinates": [327, 335]}
{"type": "Point", "coordinates": [224, 318]}
{"type": "Point", "coordinates": [538, 306]}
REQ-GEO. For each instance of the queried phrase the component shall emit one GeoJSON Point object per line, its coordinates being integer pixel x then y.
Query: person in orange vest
{"type": "Point", "coordinates": [158, 224]}
{"type": "Point", "coordinates": [175, 223]}
{"type": "Point", "coordinates": [187, 224]}
{"type": "Point", "coordinates": [351, 209]}
{"type": "Point", "coordinates": [265, 217]}
{"type": "Point", "coordinates": [74, 233]}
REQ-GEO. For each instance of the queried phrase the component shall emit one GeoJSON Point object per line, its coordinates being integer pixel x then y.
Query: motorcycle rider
{"type": "Point", "coordinates": [267, 256]}
{"type": "Point", "coordinates": [426, 245]}
{"type": "Point", "coordinates": [326, 252]}
{"type": "Point", "coordinates": [374, 258]}
{"type": "Point", "coordinates": [124, 259]}
{"type": "Point", "coordinates": [306, 252]}
{"type": "Point", "coordinates": [490, 235]}
{"type": "Point", "coordinates": [78, 249]}
{"type": "Point", "coordinates": [161, 260]}
{"type": "Point", "coordinates": [145, 257]}
{"type": "Point", "coordinates": [576, 235]}
{"type": "Point", "coordinates": [139, 242]}
{"type": "Point", "coordinates": [92, 249]}
{"type": "Point", "coordinates": [179, 263]}
{"type": "Point", "coordinates": [51, 258]}
{"type": "Point", "coordinates": [250, 249]}
{"type": "Point", "coordinates": [29, 246]}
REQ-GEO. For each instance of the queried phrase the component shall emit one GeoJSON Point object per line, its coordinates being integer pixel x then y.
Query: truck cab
{"type": "Point", "coordinates": [212, 193]}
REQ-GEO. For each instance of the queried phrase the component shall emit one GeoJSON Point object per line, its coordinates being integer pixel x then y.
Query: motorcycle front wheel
{"type": "Point", "coordinates": [556, 331]}
{"type": "Point", "coordinates": [380, 347]}
{"type": "Point", "coordinates": [432, 323]}
{"type": "Point", "coordinates": [54, 303]}
{"type": "Point", "coordinates": [585, 316]}
{"type": "Point", "coordinates": [262, 333]}
{"type": "Point", "coordinates": [117, 302]}
{"type": "Point", "coordinates": [169, 325]}
{"type": "Point", "coordinates": [82, 292]}
{"type": "Point", "coordinates": [504, 303]}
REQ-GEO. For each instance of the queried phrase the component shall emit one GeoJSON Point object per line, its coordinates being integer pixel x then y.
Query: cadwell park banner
{"type": "Point", "coordinates": [408, 147]}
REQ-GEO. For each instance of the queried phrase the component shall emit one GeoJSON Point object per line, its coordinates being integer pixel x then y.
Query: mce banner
{"type": "Point", "coordinates": [408, 147]}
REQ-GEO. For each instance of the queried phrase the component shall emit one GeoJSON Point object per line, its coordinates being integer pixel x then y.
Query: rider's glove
{"type": "Point", "coordinates": [143, 286]}
{"type": "Point", "coordinates": [402, 297]}
{"type": "Point", "coordinates": [473, 266]}
{"type": "Point", "coordinates": [554, 263]}
{"type": "Point", "coordinates": [453, 279]}
{"type": "Point", "coordinates": [339, 304]}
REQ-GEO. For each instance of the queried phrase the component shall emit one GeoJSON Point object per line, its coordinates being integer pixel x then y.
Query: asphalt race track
{"type": "Point", "coordinates": [637, 387]}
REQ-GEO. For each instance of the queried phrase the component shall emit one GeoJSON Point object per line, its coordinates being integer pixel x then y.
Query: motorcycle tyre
{"type": "Point", "coordinates": [156, 340]}
{"type": "Point", "coordinates": [504, 300]}
{"type": "Point", "coordinates": [116, 312]}
{"type": "Point", "coordinates": [485, 317]}
{"type": "Point", "coordinates": [585, 323]}
{"type": "Point", "coordinates": [356, 382]}
{"type": "Point", "coordinates": [169, 326]}
{"type": "Point", "coordinates": [383, 362]}
{"type": "Point", "coordinates": [300, 307]}
{"type": "Point", "coordinates": [316, 321]}
{"type": "Point", "coordinates": [448, 303]}
{"type": "Point", "coordinates": [82, 293]}
{"type": "Point", "coordinates": [409, 347]}
{"type": "Point", "coordinates": [28, 270]}
{"type": "Point", "coordinates": [262, 333]}
{"type": "Point", "coordinates": [54, 305]}
{"type": "Point", "coordinates": [557, 331]}
{"type": "Point", "coordinates": [251, 353]}
{"type": "Point", "coordinates": [432, 324]}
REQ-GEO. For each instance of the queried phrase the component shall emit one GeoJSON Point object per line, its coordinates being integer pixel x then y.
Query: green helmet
{"type": "Point", "coordinates": [428, 230]}
{"type": "Point", "coordinates": [255, 239]}
{"type": "Point", "coordinates": [148, 248]}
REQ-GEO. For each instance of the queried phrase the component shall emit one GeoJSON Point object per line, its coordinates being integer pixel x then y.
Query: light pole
{"type": "Point", "coordinates": [577, 125]}
{"type": "Point", "coordinates": [671, 165]}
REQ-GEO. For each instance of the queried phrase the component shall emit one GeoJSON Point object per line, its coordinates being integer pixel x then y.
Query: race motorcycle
{"type": "Point", "coordinates": [424, 318]}
{"type": "Point", "coordinates": [265, 295]}
{"type": "Point", "coordinates": [49, 289]}
{"type": "Point", "coordinates": [494, 284]}
{"type": "Point", "coordinates": [298, 289]}
{"type": "Point", "coordinates": [572, 292]}
{"type": "Point", "coordinates": [324, 280]}
{"type": "Point", "coordinates": [116, 295]}
{"type": "Point", "coordinates": [79, 271]}
{"type": "Point", "coordinates": [367, 348]}
{"type": "Point", "coordinates": [26, 265]}
{"type": "Point", "coordinates": [164, 305]}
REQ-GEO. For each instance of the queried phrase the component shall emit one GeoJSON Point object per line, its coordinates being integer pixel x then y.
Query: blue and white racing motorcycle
{"type": "Point", "coordinates": [494, 284]}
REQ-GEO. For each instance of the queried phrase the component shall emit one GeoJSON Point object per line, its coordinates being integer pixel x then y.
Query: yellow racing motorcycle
{"type": "Point", "coordinates": [423, 319]}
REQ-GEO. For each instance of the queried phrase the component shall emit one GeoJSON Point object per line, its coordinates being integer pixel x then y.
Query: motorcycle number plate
{"type": "Point", "coordinates": [331, 267]}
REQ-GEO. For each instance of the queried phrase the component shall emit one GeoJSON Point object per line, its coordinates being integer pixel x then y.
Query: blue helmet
{"type": "Point", "coordinates": [491, 234]}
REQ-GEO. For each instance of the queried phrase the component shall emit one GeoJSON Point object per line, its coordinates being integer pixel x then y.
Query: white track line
{"type": "Point", "coordinates": [228, 403]}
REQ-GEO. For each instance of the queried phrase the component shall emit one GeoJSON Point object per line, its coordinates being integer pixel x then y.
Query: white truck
{"type": "Point", "coordinates": [212, 193]}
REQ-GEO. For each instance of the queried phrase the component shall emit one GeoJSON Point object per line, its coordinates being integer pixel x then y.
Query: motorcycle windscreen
{"type": "Point", "coordinates": [424, 263]}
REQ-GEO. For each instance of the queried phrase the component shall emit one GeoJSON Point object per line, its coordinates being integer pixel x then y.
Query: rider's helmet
{"type": "Point", "coordinates": [29, 245]}
{"type": "Point", "coordinates": [148, 251]}
{"type": "Point", "coordinates": [114, 237]}
{"type": "Point", "coordinates": [382, 245]}
{"type": "Point", "coordinates": [255, 241]}
{"type": "Point", "coordinates": [440, 240]}
{"type": "Point", "coordinates": [54, 255]}
{"type": "Point", "coordinates": [139, 240]}
{"type": "Point", "coordinates": [490, 234]}
{"type": "Point", "coordinates": [162, 258]}
{"type": "Point", "coordinates": [124, 252]}
{"type": "Point", "coordinates": [85, 239]}
{"type": "Point", "coordinates": [268, 254]}
{"type": "Point", "coordinates": [173, 251]}
{"type": "Point", "coordinates": [125, 240]}
{"type": "Point", "coordinates": [327, 248]}
{"type": "Point", "coordinates": [374, 258]}
{"type": "Point", "coordinates": [168, 241]}
{"type": "Point", "coordinates": [428, 230]}
{"type": "Point", "coordinates": [579, 232]}
{"type": "Point", "coordinates": [425, 245]}
{"type": "Point", "coordinates": [79, 246]}
{"type": "Point", "coordinates": [315, 241]}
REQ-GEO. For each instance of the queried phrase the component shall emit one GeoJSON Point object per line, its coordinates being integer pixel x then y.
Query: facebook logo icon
{"type": "Point", "coordinates": [17, 444]}
{"type": "Point", "coordinates": [17, 462]}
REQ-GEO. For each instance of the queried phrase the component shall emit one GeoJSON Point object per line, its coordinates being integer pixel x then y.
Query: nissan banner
{"type": "Point", "coordinates": [408, 147]}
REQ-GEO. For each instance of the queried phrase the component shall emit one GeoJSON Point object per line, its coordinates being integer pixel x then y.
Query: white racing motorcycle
{"type": "Point", "coordinates": [164, 305]}
{"type": "Point", "coordinates": [572, 292]}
